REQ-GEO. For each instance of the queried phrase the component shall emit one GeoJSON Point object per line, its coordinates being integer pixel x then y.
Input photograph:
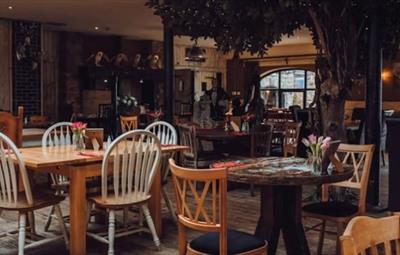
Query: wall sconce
{"type": "Point", "coordinates": [386, 74]}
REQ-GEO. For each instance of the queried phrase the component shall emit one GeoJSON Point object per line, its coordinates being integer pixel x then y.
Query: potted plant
{"type": "Point", "coordinates": [127, 105]}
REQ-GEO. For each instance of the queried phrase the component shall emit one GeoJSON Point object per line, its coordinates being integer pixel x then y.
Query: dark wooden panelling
{"type": "Point", "coordinates": [5, 64]}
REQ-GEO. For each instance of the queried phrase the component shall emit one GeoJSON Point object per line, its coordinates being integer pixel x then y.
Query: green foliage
{"type": "Point", "coordinates": [339, 27]}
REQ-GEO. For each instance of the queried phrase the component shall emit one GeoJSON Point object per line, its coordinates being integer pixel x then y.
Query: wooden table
{"type": "Point", "coordinates": [66, 161]}
{"type": "Point", "coordinates": [281, 181]}
{"type": "Point", "coordinates": [219, 135]}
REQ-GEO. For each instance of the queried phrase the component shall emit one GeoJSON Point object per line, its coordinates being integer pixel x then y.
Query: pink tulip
{"type": "Point", "coordinates": [312, 138]}
{"type": "Point", "coordinates": [305, 142]}
{"type": "Point", "coordinates": [327, 140]}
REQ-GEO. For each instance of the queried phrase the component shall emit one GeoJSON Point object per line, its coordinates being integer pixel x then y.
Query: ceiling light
{"type": "Point", "coordinates": [10, 7]}
{"type": "Point", "coordinates": [96, 28]}
{"type": "Point", "coordinates": [195, 54]}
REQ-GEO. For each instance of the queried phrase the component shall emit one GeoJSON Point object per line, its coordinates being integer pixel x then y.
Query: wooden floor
{"type": "Point", "coordinates": [243, 215]}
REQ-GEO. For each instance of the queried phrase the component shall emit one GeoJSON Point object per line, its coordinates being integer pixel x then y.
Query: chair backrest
{"type": "Point", "coordinates": [292, 132]}
{"type": "Point", "coordinates": [360, 158]}
{"type": "Point", "coordinates": [165, 132]}
{"type": "Point", "coordinates": [134, 158]}
{"type": "Point", "coordinates": [8, 174]}
{"type": "Point", "coordinates": [187, 137]}
{"type": "Point", "coordinates": [12, 126]}
{"type": "Point", "coordinates": [364, 234]}
{"type": "Point", "coordinates": [58, 134]}
{"type": "Point", "coordinates": [104, 110]}
{"type": "Point", "coordinates": [128, 123]}
{"type": "Point", "coordinates": [261, 136]}
{"type": "Point", "coordinates": [191, 203]}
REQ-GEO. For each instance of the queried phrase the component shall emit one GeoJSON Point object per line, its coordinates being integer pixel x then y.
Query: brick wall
{"type": "Point", "coordinates": [26, 77]}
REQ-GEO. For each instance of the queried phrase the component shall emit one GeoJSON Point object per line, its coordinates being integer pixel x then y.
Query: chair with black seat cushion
{"type": "Point", "coordinates": [206, 210]}
{"type": "Point", "coordinates": [341, 212]}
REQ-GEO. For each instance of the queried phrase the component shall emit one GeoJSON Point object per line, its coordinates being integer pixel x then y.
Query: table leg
{"type": "Point", "coordinates": [77, 210]}
{"type": "Point", "coordinates": [155, 203]}
{"type": "Point", "coordinates": [281, 211]}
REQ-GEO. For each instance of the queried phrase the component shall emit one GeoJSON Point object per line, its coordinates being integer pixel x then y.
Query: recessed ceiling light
{"type": "Point", "coordinates": [10, 7]}
{"type": "Point", "coordinates": [96, 28]}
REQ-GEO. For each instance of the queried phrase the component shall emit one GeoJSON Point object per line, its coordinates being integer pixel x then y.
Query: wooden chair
{"type": "Point", "coordinates": [167, 135]}
{"type": "Point", "coordinates": [23, 202]}
{"type": "Point", "coordinates": [291, 138]}
{"type": "Point", "coordinates": [38, 119]}
{"type": "Point", "coordinates": [359, 157]}
{"type": "Point", "coordinates": [195, 157]}
{"type": "Point", "coordinates": [59, 134]}
{"type": "Point", "coordinates": [261, 137]}
{"type": "Point", "coordinates": [12, 126]}
{"type": "Point", "coordinates": [134, 158]}
{"type": "Point", "coordinates": [128, 123]}
{"type": "Point", "coordinates": [206, 210]}
{"type": "Point", "coordinates": [364, 234]}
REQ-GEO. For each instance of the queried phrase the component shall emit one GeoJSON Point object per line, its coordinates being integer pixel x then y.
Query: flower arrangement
{"type": "Point", "coordinates": [317, 148]}
{"type": "Point", "coordinates": [127, 104]}
{"type": "Point", "coordinates": [78, 131]}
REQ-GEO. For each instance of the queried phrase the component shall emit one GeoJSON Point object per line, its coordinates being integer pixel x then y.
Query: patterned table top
{"type": "Point", "coordinates": [280, 171]}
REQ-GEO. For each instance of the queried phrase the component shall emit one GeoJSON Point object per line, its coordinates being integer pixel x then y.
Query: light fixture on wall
{"type": "Point", "coordinates": [195, 53]}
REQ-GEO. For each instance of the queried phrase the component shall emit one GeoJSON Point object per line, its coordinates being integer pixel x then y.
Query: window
{"type": "Point", "coordinates": [284, 88]}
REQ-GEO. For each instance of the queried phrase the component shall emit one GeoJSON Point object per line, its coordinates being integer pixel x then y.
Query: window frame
{"type": "Point", "coordinates": [283, 90]}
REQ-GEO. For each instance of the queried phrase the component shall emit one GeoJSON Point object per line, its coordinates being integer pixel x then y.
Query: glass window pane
{"type": "Point", "coordinates": [292, 79]}
{"type": "Point", "coordinates": [270, 98]}
{"type": "Point", "coordinates": [310, 97]}
{"type": "Point", "coordinates": [270, 81]}
{"type": "Point", "coordinates": [292, 98]}
{"type": "Point", "coordinates": [310, 80]}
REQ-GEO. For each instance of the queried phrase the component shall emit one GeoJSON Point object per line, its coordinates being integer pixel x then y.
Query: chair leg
{"type": "Point", "coordinates": [151, 226]}
{"type": "Point", "coordinates": [168, 203]}
{"type": "Point", "coordinates": [31, 222]}
{"type": "Point", "coordinates": [60, 219]}
{"type": "Point", "coordinates": [125, 217]}
{"type": "Point", "coordinates": [339, 233]}
{"type": "Point", "coordinates": [111, 231]}
{"type": "Point", "coordinates": [49, 218]}
{"type": "Point", "coordinates": [89, 210]}
{"type": "Point", "coordinates": [252, 193]}
{"type": "Point", "coordinates": [21, 233]}
{"type": "Point", "coordinates": [321, 238]}
{"type": "Point", "coordinates": [181, 239]}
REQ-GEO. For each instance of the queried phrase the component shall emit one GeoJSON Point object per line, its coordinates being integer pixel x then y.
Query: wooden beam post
{"type": "Point", "coordinates": [168, 72]}
{"type": "Point", "coordinates": [374, 106]}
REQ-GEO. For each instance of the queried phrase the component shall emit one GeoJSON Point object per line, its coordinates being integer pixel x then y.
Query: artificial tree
{"type": "Point", "coordinates": [339, 30]}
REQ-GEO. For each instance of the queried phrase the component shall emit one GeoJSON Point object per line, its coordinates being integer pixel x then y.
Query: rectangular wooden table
{"type": "Point", "coordinates": [66, 161]}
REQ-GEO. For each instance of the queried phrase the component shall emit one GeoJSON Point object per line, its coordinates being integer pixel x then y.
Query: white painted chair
{"type": "Point", "coordinates": [23, 202]}
{"type": "Point", "coordinates": [164, 131]}
{"type": "Point", "coordinates": [167, 135]}
{"type": "Point", "coordinates": [134, 158]}
{"type": "Point", "coordinates": [59, 134]}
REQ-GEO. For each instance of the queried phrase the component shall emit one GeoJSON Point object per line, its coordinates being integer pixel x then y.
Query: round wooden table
{"type": "Point", "coordinates": [281, 181]}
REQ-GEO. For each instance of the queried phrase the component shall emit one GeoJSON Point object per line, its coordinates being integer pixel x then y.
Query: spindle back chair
{"type": "Point", "coordinates": [129, 166]}
{"type": "Point", "coordinates": [11, 199]}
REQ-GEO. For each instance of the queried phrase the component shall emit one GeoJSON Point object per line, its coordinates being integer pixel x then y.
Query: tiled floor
{"type": "Point", "coordinates": [243, 213]}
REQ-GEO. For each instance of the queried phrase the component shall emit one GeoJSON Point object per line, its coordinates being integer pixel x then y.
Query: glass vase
{"type": "Point", "coordinates": [79, 142]}
{"type": "Point", "coordinates": [315, 164]}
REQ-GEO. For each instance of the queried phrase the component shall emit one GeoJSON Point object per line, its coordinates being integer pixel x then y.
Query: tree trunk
{"type": "Point", "coordinates": [332, 100]}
